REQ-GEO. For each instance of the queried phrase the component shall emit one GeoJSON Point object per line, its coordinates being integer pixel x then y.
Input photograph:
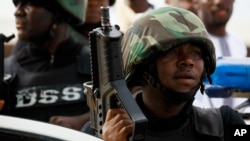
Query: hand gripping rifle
{"type": "Point", "coordinates": [108, 88]}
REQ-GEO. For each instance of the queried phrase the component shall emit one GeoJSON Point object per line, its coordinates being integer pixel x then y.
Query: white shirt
{"type": "Point", "coordinates": [123, 15]}
{"type": "Point", "coordinates": [236, 46]}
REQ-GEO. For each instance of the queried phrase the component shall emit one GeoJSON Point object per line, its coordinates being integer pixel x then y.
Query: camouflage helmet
{"type": "Point", "coordinates": [157, 32]}
{"type": "Point", "coordinates": [71, 11]}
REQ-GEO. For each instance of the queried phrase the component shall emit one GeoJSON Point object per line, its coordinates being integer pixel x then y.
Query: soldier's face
{"type": "Point", "coordinates": [215, 12]}
{"type": "Point", "coordinates": [181, 68]}
{"type": "Point", "coordinates": [32, 22]}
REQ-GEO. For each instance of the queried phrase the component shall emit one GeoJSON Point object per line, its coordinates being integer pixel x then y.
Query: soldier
{"type": "Point", "coordinates": [168, 53]}
{"type": "Point", "coordinates": [49, 67]}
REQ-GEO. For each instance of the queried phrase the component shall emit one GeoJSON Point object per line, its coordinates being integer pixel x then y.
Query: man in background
{"type": "Point", "coordinates": [215, 15]}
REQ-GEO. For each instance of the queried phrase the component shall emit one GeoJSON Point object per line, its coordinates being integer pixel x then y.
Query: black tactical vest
{"type": "Point", "coordinates": [40, 95]}
{"type": "Point", "coordinates": [204, 125]}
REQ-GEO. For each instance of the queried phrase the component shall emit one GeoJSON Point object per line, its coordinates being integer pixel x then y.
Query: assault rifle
{"type": "Point", "coordinates": [108, 88]}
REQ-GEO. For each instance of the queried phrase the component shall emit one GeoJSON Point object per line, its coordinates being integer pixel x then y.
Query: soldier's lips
{"type": "Point", "coordinates": [185, 76]}
{"type": "Point", "coordinates": [20, 24]}
{"type": "Point", "coordinates": [221, 12]}
{"type": "Point", "coordinates": [188, 75]}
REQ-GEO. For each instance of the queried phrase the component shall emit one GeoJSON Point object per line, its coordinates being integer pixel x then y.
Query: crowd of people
{"type": "Point", "coordinates": [167, 51]}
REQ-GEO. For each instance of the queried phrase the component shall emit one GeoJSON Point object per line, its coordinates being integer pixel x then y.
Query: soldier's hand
{"type": "Point", "coordinates": [118, 126]}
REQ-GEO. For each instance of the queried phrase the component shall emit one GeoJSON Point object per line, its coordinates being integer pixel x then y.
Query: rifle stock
{"type": "Point", "coordinates": [108, 88]}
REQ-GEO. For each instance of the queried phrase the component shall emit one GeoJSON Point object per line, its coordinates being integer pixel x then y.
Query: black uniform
{"type": "Point", "coordinates": [192, 124]}
{"type": "Point", "coordinates": [45, 85]}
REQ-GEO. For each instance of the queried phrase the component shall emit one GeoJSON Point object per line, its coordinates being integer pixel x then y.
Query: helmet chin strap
{"type": "Point", "coordinates": [170, 95]}
{"type": "Point", "coordinates": [178, 97]}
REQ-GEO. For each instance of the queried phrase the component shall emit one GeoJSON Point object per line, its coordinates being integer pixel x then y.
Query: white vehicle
{"type": "Point", "coordinates": [19, 129]}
